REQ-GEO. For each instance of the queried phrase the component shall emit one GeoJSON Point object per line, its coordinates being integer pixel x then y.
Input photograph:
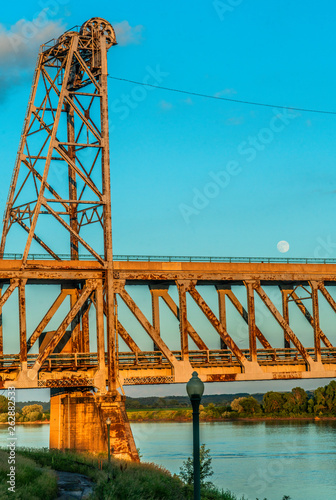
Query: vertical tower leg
{"type": "Point", "coordinates": [22, 322]}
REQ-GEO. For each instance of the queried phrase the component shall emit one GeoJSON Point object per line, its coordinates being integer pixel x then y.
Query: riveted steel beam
{"type": "Point", "coordinates": [282, 322]}
{"type": "Point", "coordinates": [86, 292]}
{"type": "Point", "coordinates": [176, 311]}
{"type": "Point", "coordinates": [47, 317]}
{"type": "Point", "coordinates": [182, 291]}
{"type": "Point", "coordinates": [251, 320]}
{"type": "Point", "coordinates": [217, 325]}
{"type": "Point", "coordinates": [242, 311]}
{"type": "Point", "coordinates": [147, 326]}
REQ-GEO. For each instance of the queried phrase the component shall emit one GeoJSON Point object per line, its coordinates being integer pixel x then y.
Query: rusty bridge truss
{"type": "Point", "coordinates": [57, 225]}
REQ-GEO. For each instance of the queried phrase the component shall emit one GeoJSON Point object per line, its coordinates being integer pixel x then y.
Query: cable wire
{"type": "Point", "coordinates": [229, 99]}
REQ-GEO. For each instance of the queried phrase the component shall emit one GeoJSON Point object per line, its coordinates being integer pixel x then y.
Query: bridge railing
{"type": "Point", "coordinates": [175, 258]}
{"type": "Point", "coordinates": [218, 357]}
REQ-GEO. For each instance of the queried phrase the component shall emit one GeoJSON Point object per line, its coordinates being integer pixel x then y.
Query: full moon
{"type": "Point", "coordinates": [283, 246]}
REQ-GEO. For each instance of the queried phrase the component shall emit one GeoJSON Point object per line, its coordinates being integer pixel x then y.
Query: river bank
{"type": "Point", "coordinates": [186, 416]}
{"type": "Point", "coordinates": [166, 416]}
{"type": "Point", "coordinates": [28, 423]}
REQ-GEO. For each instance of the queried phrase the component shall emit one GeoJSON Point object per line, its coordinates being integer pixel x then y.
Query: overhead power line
{"type": "Point", "coordinates": [229, 99]}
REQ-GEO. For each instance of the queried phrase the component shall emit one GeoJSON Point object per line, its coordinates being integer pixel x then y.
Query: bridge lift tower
{"type": "Point", "coordinates": [59, 206]}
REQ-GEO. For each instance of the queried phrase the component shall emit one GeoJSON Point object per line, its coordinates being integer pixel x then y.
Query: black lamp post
{"type": "Point", "coordinates": [108, 423]}
{"type": "Point", "coordinates": [195, 389]}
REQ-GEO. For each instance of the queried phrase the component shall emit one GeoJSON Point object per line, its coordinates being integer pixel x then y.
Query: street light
{"type": "Point", "coordinates": [195, 389]}
{"type": "Point", "coordinates": [108, 423]}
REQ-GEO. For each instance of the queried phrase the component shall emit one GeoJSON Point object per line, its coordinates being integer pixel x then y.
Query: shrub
{"type": "Point", "coordinates": [187, 469]}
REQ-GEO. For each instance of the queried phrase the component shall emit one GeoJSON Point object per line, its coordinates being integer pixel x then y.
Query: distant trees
{"type": "Point", "coordinates": [286, 404]}
{"type": "Point", "coordinates": [251, 406]}
{"type": "Point", "coordinates": [3, 404]}
{"type": "Point", "coordinates": [324, 401]}
{"type": "Point", "coordinates": [29, 413]}
{"type": "Point", "coordinates": [246, 405]}
{"type": "Point", "coordinates": [273, 402]}
{"type": "Point", "coordinates": [296, 403]}
{"type": "Point", "coordinates": [32, 413]}
{"type": "Point", "coordinates": [236, 405]}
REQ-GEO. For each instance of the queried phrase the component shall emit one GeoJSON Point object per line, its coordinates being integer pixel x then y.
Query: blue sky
{"type": "Point", "coordinates": [277, 52]}
{"type": "Point", "coordinates": [276, 168]}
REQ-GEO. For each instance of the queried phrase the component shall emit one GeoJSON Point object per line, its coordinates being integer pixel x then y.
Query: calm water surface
{"type": "Point", "coordinates": [257, 459]}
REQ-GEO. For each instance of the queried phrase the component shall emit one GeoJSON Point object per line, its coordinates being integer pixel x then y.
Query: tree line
{"type": "Point", "coordinates": [29, 413]}
{"type": "Point", "coordinates": [278, 404]}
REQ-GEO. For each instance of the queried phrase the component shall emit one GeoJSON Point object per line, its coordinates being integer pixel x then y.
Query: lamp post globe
{"type": "Point", "coordinates": [195, 386]}
{"type": "Point", "coordinates": [195, 389]}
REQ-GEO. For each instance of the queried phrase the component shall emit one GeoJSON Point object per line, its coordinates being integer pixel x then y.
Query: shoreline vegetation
{"type": "Point", "coordinates": [296, 405]}
{"type": "Point", "coordinates": [36, 478]}
{"type": "Point", "coordinates": [173, 416]}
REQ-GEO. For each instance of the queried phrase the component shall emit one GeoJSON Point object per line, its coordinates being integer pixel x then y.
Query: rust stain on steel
{"type": "Point", "coordinates": [286, 375]}
{"type": "Point", "coordinates": [229, 377]}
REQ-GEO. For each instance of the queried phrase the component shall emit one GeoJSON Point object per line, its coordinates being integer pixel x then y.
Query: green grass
{"type": "Point", "coordinates": [121, 480]}
{"type": "Point", "coordinates": [31, 481]}
{"type": "Point", "coordinates": [118, 481]}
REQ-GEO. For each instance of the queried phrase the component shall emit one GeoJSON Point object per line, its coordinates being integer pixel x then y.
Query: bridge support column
{"type": "Point", "coordinates": [78, 422]}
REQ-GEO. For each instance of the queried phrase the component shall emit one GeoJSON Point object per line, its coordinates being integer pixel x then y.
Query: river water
{"type": "Point", "coordinates": [255, 459]}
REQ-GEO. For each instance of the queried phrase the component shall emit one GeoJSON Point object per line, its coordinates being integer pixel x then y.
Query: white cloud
{"type": "Point", "coordinates": [225, 92]}
{"type": "Point", "coordinates": [19, 47]}
{"type": "Point", "coordinates": [127, 34]}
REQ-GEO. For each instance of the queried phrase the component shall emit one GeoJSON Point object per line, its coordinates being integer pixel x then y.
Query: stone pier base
{"type": "Point", "coordinates": [78, 422]}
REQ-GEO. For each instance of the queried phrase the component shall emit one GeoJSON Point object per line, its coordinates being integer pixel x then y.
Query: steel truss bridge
{"type": "Point", "coordinates": [54, 366]}
{"type": "Point", "coordinates": [57, 226]}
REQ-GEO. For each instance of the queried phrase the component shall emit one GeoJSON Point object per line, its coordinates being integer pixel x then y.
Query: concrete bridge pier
{"type": "Point", "coordinates": [78, 422]}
